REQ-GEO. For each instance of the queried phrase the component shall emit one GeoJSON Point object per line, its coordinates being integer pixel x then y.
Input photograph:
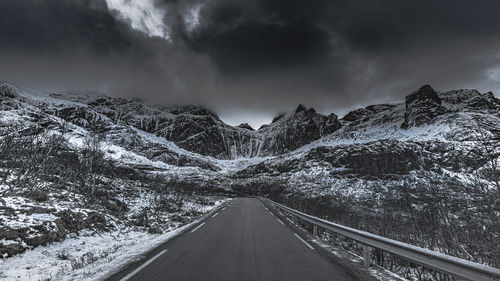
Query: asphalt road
{"type": "Point", "coordinates": [244, 241]}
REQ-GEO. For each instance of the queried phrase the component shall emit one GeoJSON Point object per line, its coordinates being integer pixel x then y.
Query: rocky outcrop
{"type": "Point", "coordinates": [362, 114]}
{"type": "Point", "coordinates": [246, 126]}
{"type": "Point", "coordinates": [199, 130]}
{"type": "Point", "coordinates": [422, 107]}
{"type": "Point", "coordinates": [470, 100]}
{"type": "Point", "coordinates": [297, 129]}
{"type": "Point", "coordinates": [7, 91]}
{"type": "Point", "coordinates": [84, 117]}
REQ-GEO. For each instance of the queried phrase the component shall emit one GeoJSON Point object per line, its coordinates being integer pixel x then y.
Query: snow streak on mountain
{"type": "Point", "coordinates": [79, 162]}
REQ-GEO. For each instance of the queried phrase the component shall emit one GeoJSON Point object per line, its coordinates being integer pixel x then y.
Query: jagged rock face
{"type": "Point", "coordinates": [384, 159]}
{"type": "Point", "coordinates": [362, 114]}
{"type": "Point", "coordinates": [246, 126]}
{"type": "Point", "coordinates": [199, 130]}
{"type": "Point", "coordinates": [7, 95]}
{"type": "Point", "coordinates": [292, 131]}
{"type": "Point", "coordinates": [422, 107]}
{"type": "Point", "coordinates": [84, 117]}
{"type": "Point", "coordinates": [7, 91]}
{"type": "Point", "coordinates": [457, 100]}
{"type": "Point", "coordinates": [208, 135]}
{"type": "Point", "coordinates": [381, 159]}
{"type": "Point", "coordinates": [193, 128]}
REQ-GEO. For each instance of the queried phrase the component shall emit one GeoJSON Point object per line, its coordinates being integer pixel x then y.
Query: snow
{"type": "Point", "coordinates": [121, 154]}
{"type": "Point", "coordinates": [24, 220]}
{"type": "Point", "coordinates": [170, 145]}
{"type": "Point", "coordinates": [43, 98]}
{"type": "Point", "coordinates": [85, 257]}
{"type": "Point", "coordinates": [88, 256]}
{"type": "Point", "coordinates": [91, 256]}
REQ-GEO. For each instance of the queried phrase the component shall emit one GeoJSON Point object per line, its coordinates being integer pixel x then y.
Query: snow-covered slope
{"type": "Point", "coordinates": [191, 139]}
{"type": "Point", "coordinates": [193, 128]}
{"type": "Point", "coordinates": [429, 130]}
{"type": "Point", "coordinates": [432, 146]}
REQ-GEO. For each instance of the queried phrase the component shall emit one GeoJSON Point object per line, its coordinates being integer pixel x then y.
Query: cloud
{"type": "Point", "coordinates": [192, 17]}
{"type": "Point", "coordinates": [244, 58]}
{"type": "Point", "coordinates": [142, 15]}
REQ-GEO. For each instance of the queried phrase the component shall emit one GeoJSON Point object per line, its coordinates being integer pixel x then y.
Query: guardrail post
{"type": "Point", "coordinates": [366, 256]}
{"type": "Point", "coordinates": [315, 230]}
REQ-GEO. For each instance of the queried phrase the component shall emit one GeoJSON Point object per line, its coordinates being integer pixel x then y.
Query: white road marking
{"type": "Point", "coordinates": [280, 221]}
{"type": "Point", "coordinates": [142, 266]}
{"type": "Point", "coordinates": [197, 227]}
{"type": "Point", "coordinates": [303, 241]}
{"type": "Point", "coordinates": [215, 215]}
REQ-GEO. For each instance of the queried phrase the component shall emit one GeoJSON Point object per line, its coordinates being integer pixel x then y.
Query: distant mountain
{"type": "Point", "coordinates": [430, 131]}
{"type": "Point", "coordinates": [390, 163]}
{"type": "Point", "coordinates": [194, 136]}
{"type": "Point", "coordinates": [193, 128]}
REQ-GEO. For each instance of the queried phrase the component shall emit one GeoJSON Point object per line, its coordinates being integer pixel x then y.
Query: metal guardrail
{"type": "Point", "coordinates": [447, 264]}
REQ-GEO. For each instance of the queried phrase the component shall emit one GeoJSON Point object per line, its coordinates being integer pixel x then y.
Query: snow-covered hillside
{"type": "Point", "coordinates": [149, 168]}
{"type": "Point", "coordinates": [193, 128]}
{"type": "Point", "coordinates": [424, 172]}
{"type": "Point", "coordinates": [189, 141]}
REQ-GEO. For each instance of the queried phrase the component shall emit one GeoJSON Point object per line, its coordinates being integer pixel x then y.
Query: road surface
{"type": "Point", "coordinates": [243, 241]}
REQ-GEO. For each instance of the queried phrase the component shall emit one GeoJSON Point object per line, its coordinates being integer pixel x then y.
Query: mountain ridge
{"type": "Point", "coordinates": [385, 162]}
{"type": "Point", "coordinates": [199, 130]}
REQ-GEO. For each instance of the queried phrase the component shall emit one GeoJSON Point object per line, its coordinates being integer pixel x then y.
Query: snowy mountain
{"type": "Point", "coordinates": [193, 128]}
{"type": "Point", "coordinates": [168, 137]}
{"type": "Point", "coordinates": [429, 132]}
{"type": "Point", "coordinates": [387, 162]}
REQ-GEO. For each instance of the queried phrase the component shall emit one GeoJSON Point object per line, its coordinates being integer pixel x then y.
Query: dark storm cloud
{"type": "Point", "coordinates": [81, 44]}
{"type": "Point", "coordinates": [293, 32]}
{"type": "Point", "coordinates": [261, 34]}
{"type": "Point", "coordinates": [255, 56]}
{"type": "Point", "coordinates": [55, 25]}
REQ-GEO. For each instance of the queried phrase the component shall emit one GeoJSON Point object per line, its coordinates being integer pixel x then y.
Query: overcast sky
{"type": "Point", "coordinates": [249, 59]}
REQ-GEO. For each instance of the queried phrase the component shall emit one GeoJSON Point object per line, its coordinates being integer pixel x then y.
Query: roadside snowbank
{"type": "Point", "coordinates": [88, 256]}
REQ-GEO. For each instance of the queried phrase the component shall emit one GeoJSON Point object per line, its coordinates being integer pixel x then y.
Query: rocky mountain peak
{"type": "Point", "coordinates": [466, 99]}
{"type": "Point", "coordinates": [191, 110]}
{"type": "Point", "coordinates": [7, 90]}
{"type": "Point", "coordinates": [292, 130]}
{"type": "Point", "coordinates": [300, 108]}
{"type": "Point", "coordinates": [246, 126]}
{"type": "Point", "coordinates": [424, 94]}
{"type": "Point", "coordinates": [275, 119]}
{"type": "Point", "coordinates": [422, 106]}
{"type": "Point", "coordinates": [362, 114]}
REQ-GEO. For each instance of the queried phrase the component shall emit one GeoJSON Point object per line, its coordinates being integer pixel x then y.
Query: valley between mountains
{"type": "Point", "coordinates": [86, 179]}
